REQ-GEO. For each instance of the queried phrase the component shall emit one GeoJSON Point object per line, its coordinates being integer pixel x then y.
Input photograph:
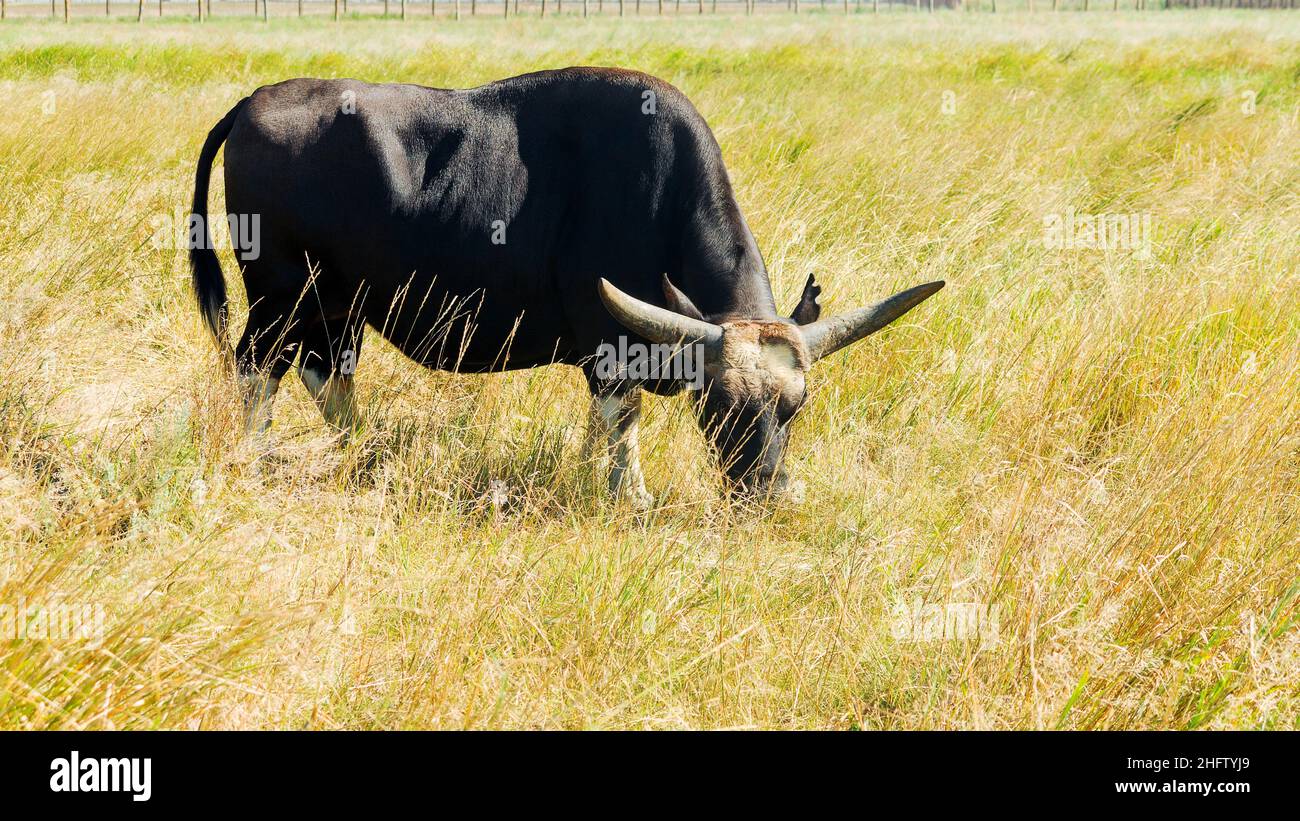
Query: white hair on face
{"type": "Point", "coordinates": [759, 359]}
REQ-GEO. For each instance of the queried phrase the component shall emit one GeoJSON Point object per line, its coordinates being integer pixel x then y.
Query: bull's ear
{"type": "Point", "coordinates": [679, 302]}
{"type": "Point", "coordinates": [808, 309]}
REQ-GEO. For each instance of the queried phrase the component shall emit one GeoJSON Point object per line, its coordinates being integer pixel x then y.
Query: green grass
{"type": "Point", "coordinates": [1105, 447]}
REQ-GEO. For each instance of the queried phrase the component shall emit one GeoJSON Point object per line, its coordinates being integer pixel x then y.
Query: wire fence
{"type": "Point", "coordinates": [200, 10]}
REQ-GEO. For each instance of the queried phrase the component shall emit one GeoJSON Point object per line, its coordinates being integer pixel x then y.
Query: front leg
{"type": "Point", "coordinates": [619, 415]}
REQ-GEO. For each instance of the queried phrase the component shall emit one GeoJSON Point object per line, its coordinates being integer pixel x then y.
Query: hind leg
{"type": "Point", "coordinates": [328, 360]}
{"type": "Point", "coordinates": [262, 357]}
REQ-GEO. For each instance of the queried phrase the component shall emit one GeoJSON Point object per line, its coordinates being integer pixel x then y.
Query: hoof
{"type": "Point", "coordinates": [638, 499]}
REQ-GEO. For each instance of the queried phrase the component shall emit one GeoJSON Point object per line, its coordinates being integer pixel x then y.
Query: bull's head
{"type": "Point", "coordinates": [754, 369]}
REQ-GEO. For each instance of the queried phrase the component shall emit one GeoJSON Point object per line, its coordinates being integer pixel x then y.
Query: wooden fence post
{"type": "Point", "coordinates": [66, 13]}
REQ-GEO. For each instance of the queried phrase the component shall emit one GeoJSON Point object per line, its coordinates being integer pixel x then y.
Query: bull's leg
{"type": "Point", "coordinates": [262, 357]}
{"type": "Point", "coordinates": [620, 417]}
{"type": "Point", "coordinates": [326, 366]}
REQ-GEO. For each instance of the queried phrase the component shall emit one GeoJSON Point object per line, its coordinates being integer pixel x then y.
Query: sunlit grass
{"type": "Point", "coordinates": [1104, 447]}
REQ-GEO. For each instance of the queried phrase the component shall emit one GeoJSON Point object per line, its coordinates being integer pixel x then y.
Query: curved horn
{"type": "Point", "coordinates": [826, 336]}
{"type": "Point", "coordinates": [654, 323]}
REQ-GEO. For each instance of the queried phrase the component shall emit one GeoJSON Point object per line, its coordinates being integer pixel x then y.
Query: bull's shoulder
{"type": "Point", "coordinates": [589, 94]}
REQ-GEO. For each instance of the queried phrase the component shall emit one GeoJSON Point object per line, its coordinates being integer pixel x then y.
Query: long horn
{"type": "Point", "coordinates": [826, 336]}
{"type": "Point", "coordinates": [654, 323]}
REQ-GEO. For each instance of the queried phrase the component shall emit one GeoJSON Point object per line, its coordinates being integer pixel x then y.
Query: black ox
{"type": "Point", "coordinates": [521, 223]}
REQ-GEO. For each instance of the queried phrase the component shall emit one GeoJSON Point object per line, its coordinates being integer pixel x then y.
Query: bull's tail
{"type": "Point", "coordinates": [209, 284]}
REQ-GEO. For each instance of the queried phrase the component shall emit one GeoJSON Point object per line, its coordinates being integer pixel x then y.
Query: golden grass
{"type": "Point", "coordinates": [1106, 448]}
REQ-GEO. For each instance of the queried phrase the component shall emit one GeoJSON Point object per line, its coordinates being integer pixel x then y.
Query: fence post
{"type": "Point", "coordinates": [336, 10]}
{"type": "Point", "coordinates": [265, 12]}
{"type": "Point", "coordinates": [65, 11]}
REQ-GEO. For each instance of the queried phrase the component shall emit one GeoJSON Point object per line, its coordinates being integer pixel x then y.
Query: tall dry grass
{"type": "Point", "coordinates": [1102, 447]}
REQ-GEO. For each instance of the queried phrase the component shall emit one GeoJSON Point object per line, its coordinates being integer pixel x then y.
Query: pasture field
{"type": "Point", "coordinates": [1063, 493]}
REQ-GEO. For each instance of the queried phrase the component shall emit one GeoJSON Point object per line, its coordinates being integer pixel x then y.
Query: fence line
{"type": "Point", "coordinates": [202, 9]}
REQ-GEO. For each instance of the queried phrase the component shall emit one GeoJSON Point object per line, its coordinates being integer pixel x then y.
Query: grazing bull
{"type": "Point", "coordinates": [521, 223]}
